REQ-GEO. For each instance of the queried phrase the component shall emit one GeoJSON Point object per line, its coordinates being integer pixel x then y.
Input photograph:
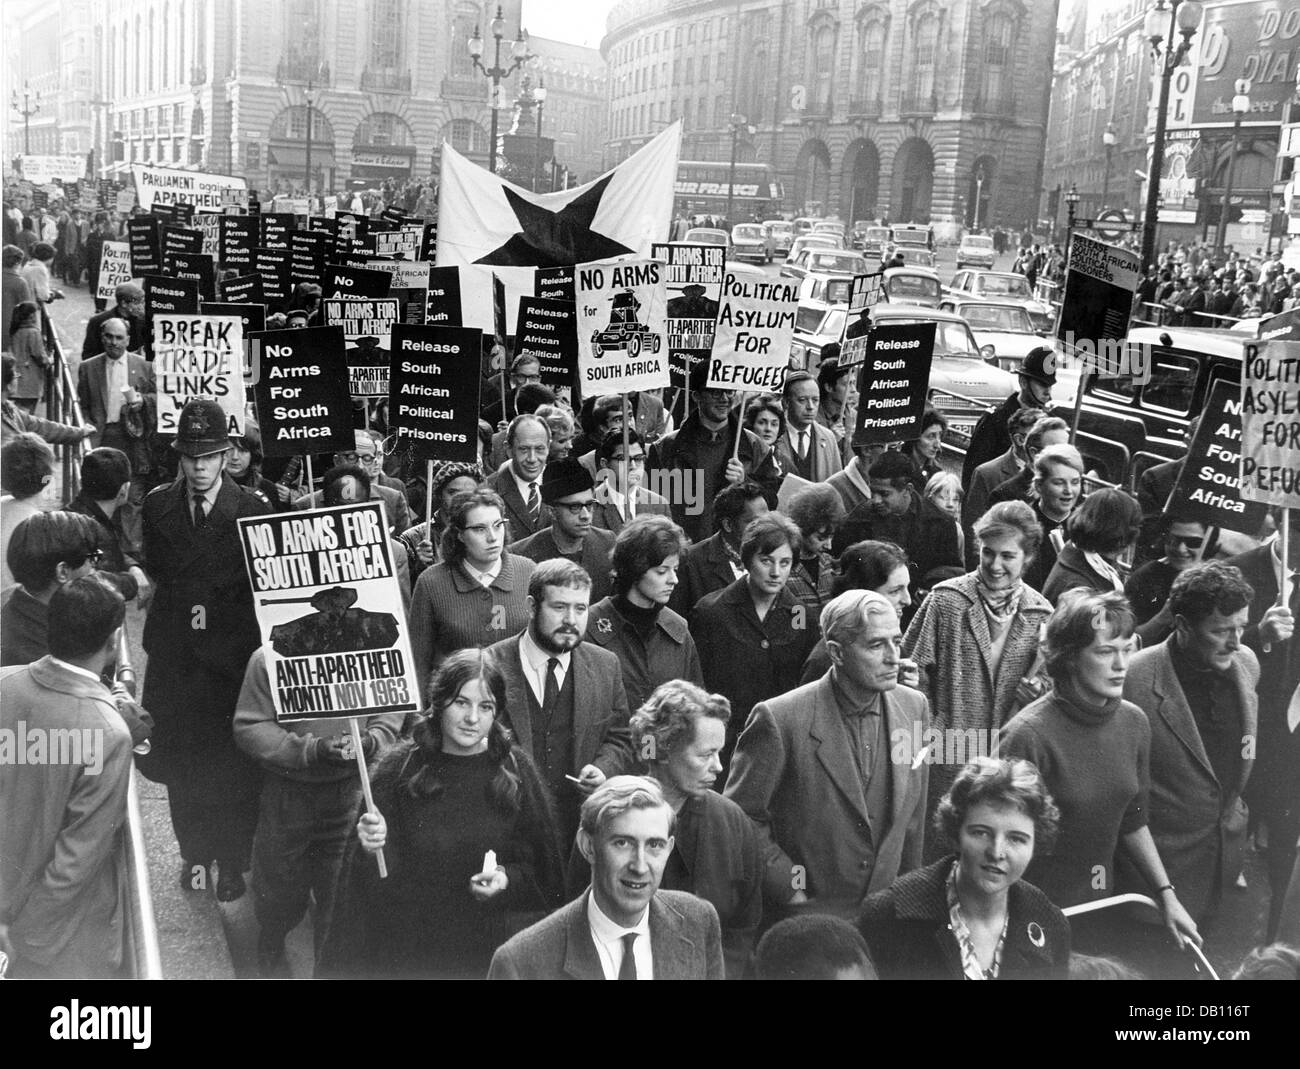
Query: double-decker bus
{"type": "Point", "coordinates": [702, 190]}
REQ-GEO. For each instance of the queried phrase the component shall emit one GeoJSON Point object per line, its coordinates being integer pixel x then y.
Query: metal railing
{"type": "Point", "coordinates": [62, 406]}
{"type": "Point", "coordinates": [1155, 314]}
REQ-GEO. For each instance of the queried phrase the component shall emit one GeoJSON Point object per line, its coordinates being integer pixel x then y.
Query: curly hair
{"type": "Point", "coordinates": [1204, 588]}
{"type": "Point", "coordinates": [999, 782]}
{"type": "Point", "coordinates": [667, 719]}
{"type": "Point", "coordinates": [462, 667]}
{"type": "Point", "coordinates": [816, 508]}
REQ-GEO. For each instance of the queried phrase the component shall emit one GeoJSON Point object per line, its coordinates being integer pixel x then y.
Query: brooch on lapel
{"type": "Point", "coordinates": [1036, 935]}
{"type": "Point", "coordinates": [605, 625]}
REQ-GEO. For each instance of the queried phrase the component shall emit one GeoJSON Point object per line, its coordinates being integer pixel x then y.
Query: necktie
{"type": "Point", "coordinates": [627, 970]}
{"type": "Point", "coordinates": [803, 445]}
{"type": "Point", "coordinates": [534, 503]}
{"type": "Point", "coordinates": [551, 689]}
{"type": "Point", "coordinates": [200, 511]}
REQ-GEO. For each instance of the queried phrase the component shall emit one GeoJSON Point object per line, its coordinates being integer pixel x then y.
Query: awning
{"type": "Point", "coordinates": [294, 157]}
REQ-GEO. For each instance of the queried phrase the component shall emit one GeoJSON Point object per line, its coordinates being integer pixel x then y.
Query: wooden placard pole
{"type": "Point", "coordinates": [364, 773]}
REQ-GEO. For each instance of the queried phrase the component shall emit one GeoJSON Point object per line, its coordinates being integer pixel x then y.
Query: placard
{"type": "Point", "coordinates": [180, 214]}
{"type": "Point", "coordinates": [166, 185]}
{"type": "Point", "coordinates": [555, 283]}
{"type": "Point", "coordinates": [894, 382]}
{"type": "Point", "coordinates": [397, 244]}
{"type": "Point", "coordinates": [179, 239]}
{"type": "Point", "coordinates": [198, 356]}
{"type": "Point", "coordinates": [694, 286]}
{"type": "Point", "coordinates": [194, 266]}
{"type": "Point", "coordinates": [1099, 285]}
{"type": "Point", "coordinates": [429, 241]}
{"type": "Point", "coordinates": [238, 240]}
{"type": "Point", "coordinates": [308, 252]}
{"type": "Point", "coordinates": [853, 345]}
{"type": "Point", "coordinates": [622, 324]}
{"type": "Point", "coordinates": [355, 282]}
{"type": "Point", "coordinates": [548, 330]}
{"type": "Point", "coordinates": [164, 295]}
{"type": "Point", "coordinates": [409, 285]}
{"type": "Point", "coordinates": [43, 170]}
{"type": "Point", "coordinates": [208, 225]}
{"type": "Point", "coordinates": [277, 272]}
{"type": "Point", "coordinates": [866, 292]}
{"type": "Point", "coordinates": [1270, 423]}
{"type": "Point", "coordinates": [1209, 486]}
{"type": "Point", "coordinates": [275, 230]}
{"type": "Point", "coordinates": [329, 608]}
{"type": "Point", "coordinates": [146, 250]}
{"type": "Point", "coordinates": [751, 347]}
{"type": "Point", "coordinates": [367, 326]}
{"type": "Point", "coordinates": [114, 269]}
{"type": "Point", "coordinates": [252, 318]}
{"type": "Point", "coordinates": [433, 401]}
{"type": "Point", "coordinates": [443, 305]}
{"type": "Point", "coordinates": [243, 288]}
{"type": "Point", "coordinates": [301, 393]}
{"type": "Point", "coordinates": [125, 201]}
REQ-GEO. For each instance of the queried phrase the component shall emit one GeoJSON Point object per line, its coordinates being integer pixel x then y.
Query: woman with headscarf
{"type": "Point", "coordinates": [422, 542]}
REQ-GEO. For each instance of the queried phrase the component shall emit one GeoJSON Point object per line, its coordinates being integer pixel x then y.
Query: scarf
{"type": "Point", "coordinates": [1001, 605]}
{"type": "Point", "coordinates": [1105, 569]}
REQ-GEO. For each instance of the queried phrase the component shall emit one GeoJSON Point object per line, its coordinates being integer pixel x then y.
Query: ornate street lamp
{"type": "Point", "coordinates": [519, 56]}
{"type": "Point", "coordinates": [539, 98]}
{"type": "Point", "coordinates": [1240, 107]}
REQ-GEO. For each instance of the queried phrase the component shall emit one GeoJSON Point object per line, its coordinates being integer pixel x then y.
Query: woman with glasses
{"type": "Point", "coordinates": [616, 472]}
{"type": "Point", "coordinates": [478, 593]}
{"type": "Point", "coordinates": [422, 543]}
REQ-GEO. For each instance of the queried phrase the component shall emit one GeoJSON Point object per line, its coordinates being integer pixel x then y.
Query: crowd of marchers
{"type": "Point", "coordinates": [880, 719]}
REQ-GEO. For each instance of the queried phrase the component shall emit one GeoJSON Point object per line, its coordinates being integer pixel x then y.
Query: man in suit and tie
{"type": "Point", "coordinates": [1198, 691]}
{"type": "Point", "coordinates": [1274, 790]}
{"type": "Point", "coordinates": [715, 562]}
{"type": "Point", "coordinates": [567, 705]}
{"type": "Point", "coordinates": [616, 505]}
{"type": "Point", "coordinates": [568, 491]}
{"type": "Point", "coordinates": [129, 309]}
{"type": "Point", "coordinates": [806, 449]}
{"type": "Point", "coordinates": [528, 441]}
{"type": "Point", "coordinates": [118, 397]}
{"type": "Point", "coordinates": [828, 772]}
{"type": "Point", "coordinates": [623, 927]}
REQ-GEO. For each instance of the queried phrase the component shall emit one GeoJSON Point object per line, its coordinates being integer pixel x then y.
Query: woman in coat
{"type": "Point", "coordinates": [478, 593]}
{"type": "Point", "coordinates": [923, 451]}
{"type": "Point", "coordinates": [468, 837]}
{"type": "Point", "coordinates": [652, 643]}
{"type": "Point", "coordinates": [754, 635]}
{"type": "Point", "coordinates": [1100, 529]}
{"type": "Point", "coordinates": [970, 915]}
{"type": "Point", "coordinates": [975, 638]}
{"type": "Point", "coordinates": [816, 510]}
{"type": "Point", "coordinates": [30, 361]}
{"type": "Point", "coordinates": [1093, 749]}
{"type": "Point", "coordinates": [422, 543]}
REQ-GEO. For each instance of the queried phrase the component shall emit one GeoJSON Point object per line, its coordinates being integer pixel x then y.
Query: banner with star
{"type": "Point", "coordinates": [487, 225]}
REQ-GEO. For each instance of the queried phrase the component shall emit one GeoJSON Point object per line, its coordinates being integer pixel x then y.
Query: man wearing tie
{"type": "Point", "coordinates": [806, 449]}
{"type": "Point", "coordinates": [623, 927]}
{"type": "Point", "coordinates": [528, 441]}
{"type": "Point", "coordinates": [620, 497]}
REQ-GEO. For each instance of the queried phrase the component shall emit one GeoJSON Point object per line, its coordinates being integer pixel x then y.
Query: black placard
{"type": "Point", "coordinates": [548, 330]}
{"type": "Point", "coordinates": [309, 250]}
{"type": "Point", "coordinates": [167, 296]}
{"type": "Point", "coordinates": [253, 317]}
{"type": "Point", "coordinates": [394, 216]}
{"type": "Point", "coordinates": [173, 213]}
{"type": "Point", "coordinates": [276, 228]}
{"type": "Point", "coordinates": [196, 266]}
{"type": "Point", "coordinates": [350, 237]}
{"type": "Point", "coordinates": [301, 392]}
{"type": "Point", "coordinates": [1209, 486]}
{"type": "Point", "coordinates": [367, 326]}
{"type": "Point", "coordinates": [342, 281]}
{"type": "Point", "coordinates": [179, 239]}
{"type": "Point", "coordinates": [429, 241]}
{"type": "Point", "coordinates": [242, 289]}
{"type": "Point", "coordinates": [323, 224]}
{"type": "Point", "coordinates": [276, 271]}
{"type": "Point", "coordinates": [443, 307]}
{"type": "Point", "coordinates": [555, 283]}
{"type": "Point", "coordinates": [238, 240]}
{"type": "Point", "coordinates": [433, 399]}
{"type": "Point", "coordinates": [146, 250]}
{"type": "Point", "coordinates": [893, 383]}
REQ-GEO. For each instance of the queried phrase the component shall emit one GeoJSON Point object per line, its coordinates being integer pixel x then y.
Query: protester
{"type": "Point", "coordinates": [16, 289]}
{"type": "Point", "coordinates": [620, 497]}
{"type": "Point", "coordinates": [816, 510]}
{"type": "Point", "coordinates": [568, 491]}
{"type": "Point", "coordinates": [971, 915]}
{"type": "Point", "coordinates": [1058, 486]}
{"type": "Point", "coordinates": [15, 420]}
{"type": "Point", "coordinates": [129, 308]}
{"type": "Point", "coordinates": [766, 418]}
{"type": "Point", "coordinates": [30, 361]}
{"type": "Point", "coordinates": [244, 465]}
{"type": "Point", "coordinates": [467, 832]}
{"type": "Point", "coordinates": [714, 563]}
{"type": "Point", "coordinates": [811, 946]}
{"type": "Point", "coordinates": [923, 451]}
{"type": "Point", "coordinates": [1104, 525]}
{"type": "Point", "coordinates": [26, 471]}
{"type": "Point", "coordinates": [423, 540]}
{"type": "Point", "coordinates": [105, 486]}
{"type": "Point", "coordinates": [519, 482]}
{"type": "Point", "coordinates": [1147, 588]}
{"type": "Point", "coordinates": [993, 473]}
{"type": "Point", "coordinates": [1036, 376]}
{"type": "Point", "coordinates": [943, 490]}
{"type": "Point", "coordinates": [807, 449]}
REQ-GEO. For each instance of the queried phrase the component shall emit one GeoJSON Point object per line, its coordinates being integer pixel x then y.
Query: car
{"type": "Point", "coordinates": [874, 240]}
{"type": "Point", "coordinates": [749, 241]}
{"type": "Point", "coordinates": [817, 322]}
{"type": "Point", "coordinates": [810, 241]}
{"type": "Point", "coordinates": [803, 225]}
{"type": "Point", "coordinates": [829, 227]}
{"type": "Point", "coordinates": [913, 234]}
{"type": "Point", "coordinates": [975, 250]}
{"type": "Point", "coordinates": [625, 330]}
{"type": "Point", "coordinates": [782, 234]}
{"type": "Point", "coordinates": [1004, 330]}
{"type": "Point", "coordinates": [833, 289]}
{"type": "Point", "coordinates": [824, 262]}
{"type": "Point", "coordinates": [707, 235]}
{"type": "Point", "coordinates": [1004, 287]}
{"type": "Point", "coordinates": [913, 285]}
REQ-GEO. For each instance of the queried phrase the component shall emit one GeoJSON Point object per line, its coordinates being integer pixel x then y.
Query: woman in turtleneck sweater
{"type": "Point", "coordinates": [651, 641]}
{"type": "Point", "coordinates": [1093, 750]}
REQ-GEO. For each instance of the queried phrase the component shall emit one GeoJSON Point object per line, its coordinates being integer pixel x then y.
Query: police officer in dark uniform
{"type": "Point", "coordinates": [200, 633]}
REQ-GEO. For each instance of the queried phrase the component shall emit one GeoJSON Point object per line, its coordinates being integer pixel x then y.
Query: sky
{"type": "Point", "coordinates": [580, 22]}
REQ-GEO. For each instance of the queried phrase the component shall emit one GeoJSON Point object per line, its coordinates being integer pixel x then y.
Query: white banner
{"type": "Point", "coordinates": [622, 326]}
{"type": "Point", "coordinates": [165, 185]}
{"type": "Point", "coordinates": [114, 269]}
{"type": "Point", "coordinates": [199, 356]}
{"type": "Point", "coordinates": [41, 170]}
{"type": "Point", "coordinates": [751, 346]}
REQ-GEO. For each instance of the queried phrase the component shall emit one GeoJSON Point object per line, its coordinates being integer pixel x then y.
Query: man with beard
{"type": "Point", "coordinates": [130, 309]}
{"type": "Point", "coordinates": [565, 697]}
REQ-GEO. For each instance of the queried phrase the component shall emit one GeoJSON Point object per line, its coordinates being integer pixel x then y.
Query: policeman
{"type": "Point", "coordinates": [199, 635]}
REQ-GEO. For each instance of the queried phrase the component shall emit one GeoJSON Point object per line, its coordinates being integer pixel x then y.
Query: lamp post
{"type": "Point", "coordinates": [738, 123]}
{"type": "Point", "coordinates": [1183, 16]}
{"type": "Point", "coordinates": [1108, 139]}
{"type": "Point", "coordinates": [539, 98]}
{"type": "Point", "coordinates": [318, 75]}
{"type": "Point", "coordinates": [1071, 203]}
{"type": "Point", "coordinates": [1240, 106]}
{"type": "Point", "coordinates": [519, 56]}
{"type": "Point", "coordinates": [30, 106]}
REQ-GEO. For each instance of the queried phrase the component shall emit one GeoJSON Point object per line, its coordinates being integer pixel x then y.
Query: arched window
{"type": "Point", "coordinates": [466, 135]}
{"type": "Point", "coordinates": [462, 29]}
{"type": "Point", "coordinates": [382, 128]}
{"type": "Point", "coordinates": [823, 72]}
{"type": "Point", "coordinates": [871, 61]}
{"type": "Point", "coordinates": [291, 125]}
{"type": "Point", "coordinates": [925, 56]}
{"type": "Point", "coordinates": [999, 32]}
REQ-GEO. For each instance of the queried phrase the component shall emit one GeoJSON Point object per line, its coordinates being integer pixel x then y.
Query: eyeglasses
{"type": "Point", "coordinates": [1190, 543]}
{"type": "Point", "coordinates": [575, 508]}
{"type": "Point", "coordinates": [352, 458]}
{"type": "Point", "coordinates": [93, 557]}
{"type": "Point", "coordinates": [483, 529]}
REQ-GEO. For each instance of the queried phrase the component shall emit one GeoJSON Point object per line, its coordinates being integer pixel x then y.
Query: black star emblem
{"type": "Point", "coordinates": [556, 239]}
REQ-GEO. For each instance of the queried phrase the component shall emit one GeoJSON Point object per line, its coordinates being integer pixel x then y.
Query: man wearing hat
{"type": "Point", "coordinates": [130, 309]}
{"type": "Point", "coordinates": [199, 635]}
{"type": "Point", "coordinates": [569, 491]}
{"type": "Point", "coordinates": [991, 439]}
{"type": "Point", "coordinates": [692, 304]}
